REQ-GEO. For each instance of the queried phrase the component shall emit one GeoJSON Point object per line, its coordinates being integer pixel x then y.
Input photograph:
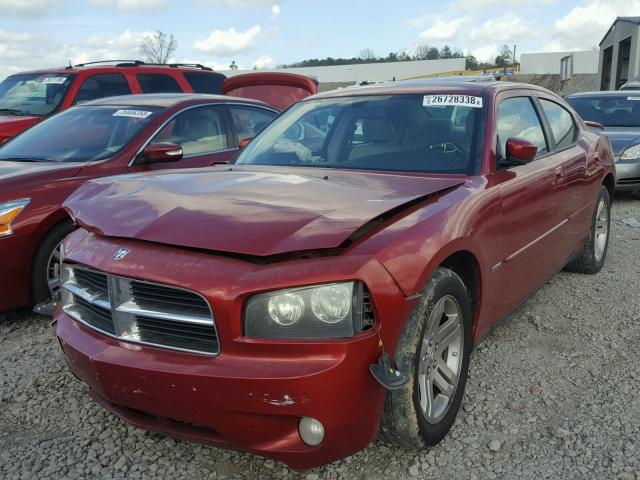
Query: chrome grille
{"type": "Point", "coordinates": [138, 311]}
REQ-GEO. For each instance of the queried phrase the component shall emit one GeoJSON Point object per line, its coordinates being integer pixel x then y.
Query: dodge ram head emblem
{"type": "Point", "coordinates": [120, 254]}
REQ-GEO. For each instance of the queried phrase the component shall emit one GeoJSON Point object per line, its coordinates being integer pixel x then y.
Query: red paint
{"type": "Point", "coordinates": [275, 88]}
{"type": "Point", "coordinates": [517, 226]}
{"type": "Point", "coordinates": [49, 184]}
{"type": "Point", "coordinates": [12, 125]}
{"type": "Point", "coordinates": [521, 149]}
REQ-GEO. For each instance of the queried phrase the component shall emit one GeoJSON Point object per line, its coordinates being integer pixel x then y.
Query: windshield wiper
{"type": "Point", "coordinates": [11, 111]}
{"type": "Point", "coordinates": [24, 159]}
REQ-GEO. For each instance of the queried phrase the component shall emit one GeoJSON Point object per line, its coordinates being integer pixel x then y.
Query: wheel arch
{"type": "Point", "coordinates": [610, 183]}
{"type": "Point", "coordinates": [465, 264]}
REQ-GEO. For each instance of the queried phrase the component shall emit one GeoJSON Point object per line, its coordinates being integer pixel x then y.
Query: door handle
{"type": "Point", "coordinates": [596, 158]}
{"type": "Point", "coordinates": [559, 171]}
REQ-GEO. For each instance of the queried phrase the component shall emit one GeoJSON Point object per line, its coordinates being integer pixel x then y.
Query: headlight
{"type": "Point", "coordinates": [8, 212]}
{"type": "Point", "coordinates": [333, 310]}
{"type": "Point", "coordinates": [631, 153]}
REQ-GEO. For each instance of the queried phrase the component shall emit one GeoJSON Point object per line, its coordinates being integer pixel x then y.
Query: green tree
{"type": "Point", "coordinates": [445, 52]}
{"type": "Point", "coordinates": [233, 65]}
{"type": "Point", "coordinates": [471, 63]}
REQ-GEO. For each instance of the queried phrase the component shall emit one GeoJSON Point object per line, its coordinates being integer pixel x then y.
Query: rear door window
{"type": "Point", "coordinates": [157, 83]}
{"type": "Point", "coordinates": [561, 122]}
{"type": "Point", "coordinates": [249, 121]}
{"type": "Point", "coordinates": [198, 131]}
{"type": "Point", "coordinates": [102, 85]}
{"type": "Point", "coordinates": [517, 118]}
{"type": "Point", "coordinates": [205, 82]}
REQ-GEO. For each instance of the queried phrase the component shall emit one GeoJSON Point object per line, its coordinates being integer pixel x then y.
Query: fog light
{"type": "Point", "coordinates": [311, 431]}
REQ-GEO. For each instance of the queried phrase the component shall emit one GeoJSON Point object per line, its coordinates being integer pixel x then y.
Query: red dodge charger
{"type": "Point", "coordinates": [332, 281]}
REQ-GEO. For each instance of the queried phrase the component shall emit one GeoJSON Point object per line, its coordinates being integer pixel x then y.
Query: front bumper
{"type": "Point", "coordinates": [251, 395]}
{"type": "Point", "coordinates": [627, 175]}
{"type": "Point", "coordinates": [252, 404]}
{"type": "Point", "coordinates": [15, 252]}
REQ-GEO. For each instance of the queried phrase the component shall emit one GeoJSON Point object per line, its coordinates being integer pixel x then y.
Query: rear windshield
{"type": "Point", "coordinates": [609, 110]}
{"type": "Point", "coordinates": [205, 82]}
{"type": "Point", "coordinates": [412, 133]}
{"type": "Point", "coordinates": [33, 94]}
{"type": "Point", "coordinates": [79, 134]}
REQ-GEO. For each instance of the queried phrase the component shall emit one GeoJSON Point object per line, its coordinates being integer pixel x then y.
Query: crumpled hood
{"type": "Point", "coordinates": [622, 138]}
{"type": "Point", "coordinates": [249, 211]}
{"type": "Point", "coordinates": [10, 125]}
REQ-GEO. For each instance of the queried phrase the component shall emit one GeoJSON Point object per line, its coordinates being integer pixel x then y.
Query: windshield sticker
{"type": "Point", "coordinates": [132, 113]}
{"type": "Point", "coordinates": [635, 99]}
{"type": "Point", "coordinates": [54, 80]}
{"type": "Point", "coordinates": [452, 101]}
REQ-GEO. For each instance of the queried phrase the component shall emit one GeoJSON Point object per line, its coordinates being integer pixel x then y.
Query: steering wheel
{"type": "Point", "coordinates": [447, 147]}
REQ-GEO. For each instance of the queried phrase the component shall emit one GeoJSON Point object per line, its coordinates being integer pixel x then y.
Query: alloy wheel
{"type": "Point", "coordinates": [53, 272]}
{"type": "Point", "coordinates": [600, 235]}
{"type": "Point", "coordinates": [440, 359]}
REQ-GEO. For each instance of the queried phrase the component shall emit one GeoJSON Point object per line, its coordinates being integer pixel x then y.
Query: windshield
{"type": "Point", "coordinates": [33, 94]}
{"type": "Point", "coordinates": [609, 110]}
{"type": "Point", "coordinates": [79, 134]}
{"type": "Point", "coordinates": [411, 133]}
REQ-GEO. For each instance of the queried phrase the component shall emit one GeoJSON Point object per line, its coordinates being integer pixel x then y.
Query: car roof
{"type": "Point", "coordinates": [125, 65]}
{"type": "Point", "coordinates": [461, 85]}
{"type": "Point", "coordinates": [167, 100]}
{"type": "Point", "coordinates": [604, 93]}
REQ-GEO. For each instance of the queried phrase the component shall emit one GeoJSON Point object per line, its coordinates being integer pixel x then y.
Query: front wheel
{"type": "Point", "coordinates": [434, 349]}
{"type": "Point", "coordinates": [45, 271]}
{"type": "Point", "coordinates": [593, 254]}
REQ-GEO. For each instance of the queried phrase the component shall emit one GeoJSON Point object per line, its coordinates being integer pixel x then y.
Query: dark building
{"type": "Point", "coordinates": [620, 53]}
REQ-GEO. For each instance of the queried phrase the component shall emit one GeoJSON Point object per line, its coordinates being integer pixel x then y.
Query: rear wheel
{"type": "Point", "coordinates": [434, 349]}
{"type": "Point", "coordinates": [45, 272]}
{"type": "Point", "coordinates": [592, 257]}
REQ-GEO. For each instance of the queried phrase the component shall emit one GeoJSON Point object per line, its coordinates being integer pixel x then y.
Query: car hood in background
{"type": "Point", "coordinates": [622, 138]}
{"type": "Point", "coordinates": [26, 174]}
{"type": "Point", "coordinates": [11, 125]}
{"type": "Point", "coordinates": [256, 212]}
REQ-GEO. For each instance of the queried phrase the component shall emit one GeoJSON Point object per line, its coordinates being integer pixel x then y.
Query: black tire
{"type": "Point", "coordinates": [40, 291]}
{"type": "Point", "coordinates": [404, 422]}
{"type": "Point", "coordinates": [588, 260]}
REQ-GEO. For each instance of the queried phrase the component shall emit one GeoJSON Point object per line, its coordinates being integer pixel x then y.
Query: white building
{"type": "Point", "coordinates": [564, 63]}
{"type": "Point", "coordinates": [372, 72]}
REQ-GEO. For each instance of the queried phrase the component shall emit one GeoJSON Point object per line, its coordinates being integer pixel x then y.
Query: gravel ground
{"type": "Point", "coordinates": [552, 394]}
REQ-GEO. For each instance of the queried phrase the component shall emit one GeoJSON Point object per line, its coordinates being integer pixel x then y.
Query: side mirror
{"type": "Point", "coordinates": [594, 125]}
{"type": "Point", "coordinates": [161, 152]}
{"type": "Point", "coordinates": [244, 142]}
{"type": "Point", "coordinates": [520, 151]}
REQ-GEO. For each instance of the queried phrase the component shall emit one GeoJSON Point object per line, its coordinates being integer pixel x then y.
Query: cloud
{"type": "Point", "coordinates": [508, 28]}
{"type": "Point", "coordinates": [444, 30]}
{"type": "Point", "coordinates": [487, 53]}
{"type": "Point", "coordinates": [130, 5]}
{"type": "Point", "coordinates": [243, 3]}
{"type": "Point", "coordinates": [483, 5]}
{"type": "Point", "coordinates": [265, 61]}
{"type": "Point", "coordinates": [229, 42]}
{"type": "Point", "coordinates": [275, 11]}
{"type": "Point", "coordinates": [28, 8]}
{"type": "Point", "coordinates": [584, 26]}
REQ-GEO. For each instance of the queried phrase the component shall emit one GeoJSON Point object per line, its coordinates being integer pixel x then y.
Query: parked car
{"type": "Point", "coordinates": [42, 166]}
{"type": "Point", "coordinates": [298, 301]}
{"type": "Point", "coordinates": [634, 85]}
{"type": "Point", "coordinates": [619, 114]}
{"type": "Point", "coordinates": [29, 97]}
{"type": "Point", "coordinates": [278, 89]}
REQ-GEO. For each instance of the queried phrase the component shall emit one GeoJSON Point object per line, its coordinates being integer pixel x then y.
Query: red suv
{"type": "Point", "coordinates": [332, 281]}
{"type": "Point", "coordinates": [28, 97]}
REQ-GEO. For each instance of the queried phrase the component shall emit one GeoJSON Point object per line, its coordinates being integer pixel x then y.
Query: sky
{"type": "Point", "coordinates": [266, 33]}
